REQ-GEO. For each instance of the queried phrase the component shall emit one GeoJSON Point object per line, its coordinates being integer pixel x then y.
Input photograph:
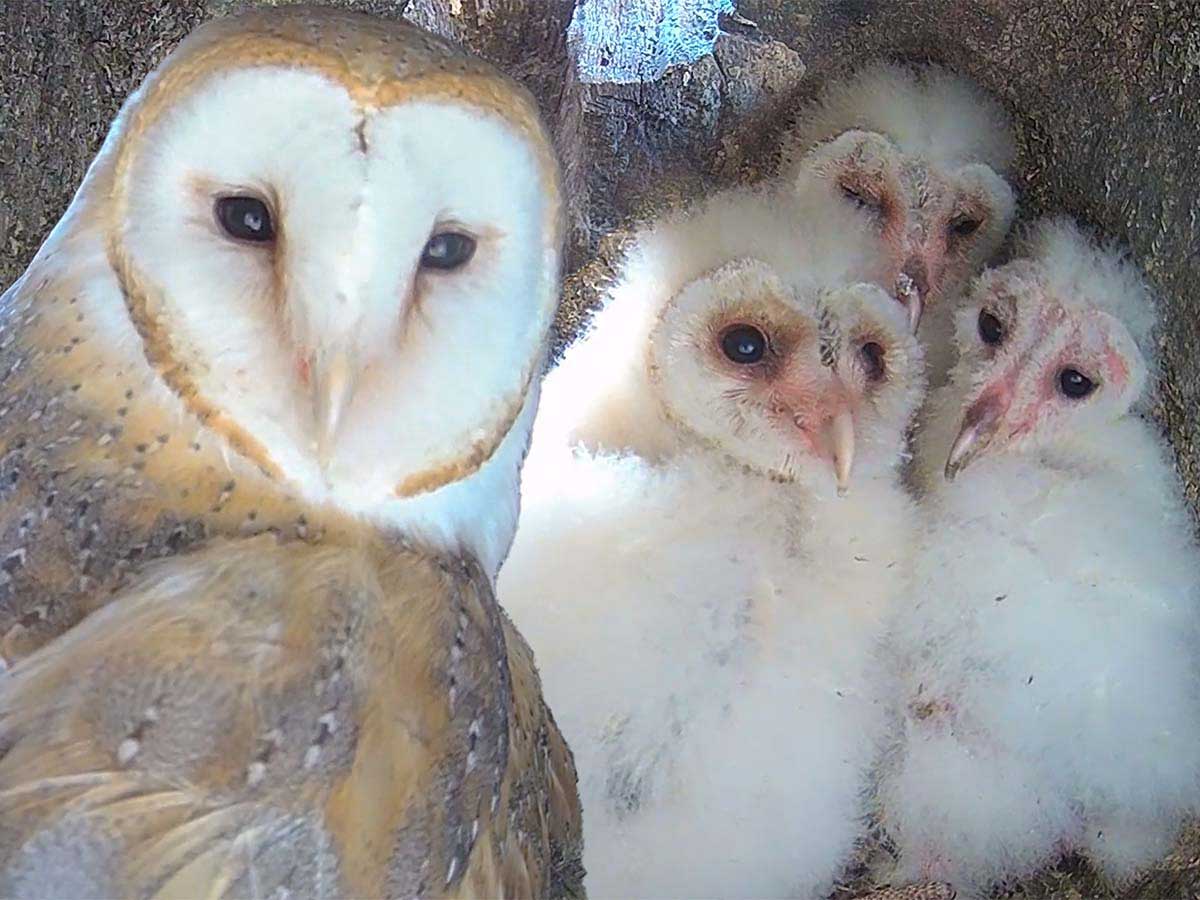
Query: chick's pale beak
{"type": "Point", "coordinates": [841, 443]}
{"type": "Point", "coordinates": [909, 294]}
{"type": "Point", "coordinates": [912, 285]}
{"type": "Point", "coordinates": [979, 426]}
{"type": "Point", "coordinates": [333, 385]}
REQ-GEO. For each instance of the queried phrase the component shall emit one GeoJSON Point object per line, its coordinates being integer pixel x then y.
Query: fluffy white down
{"type": "Point", "coordinates": [927, 111]}
{"type": "Point", "coordinates": [1054, 631]}
{"type": "Point", "coordinates": [704, 639]}
{"type": "Point", "coordinates": [1047, 666]}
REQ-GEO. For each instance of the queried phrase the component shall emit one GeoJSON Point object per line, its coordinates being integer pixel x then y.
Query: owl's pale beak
{"type": "Point", "coordinates": [979, 426]}
{"type": "Point", "coordinates": [912, 284]}
{"type": "Point", "coordinates": [333, 385]}
{"type": "Point", "coordinates": [841, 441]}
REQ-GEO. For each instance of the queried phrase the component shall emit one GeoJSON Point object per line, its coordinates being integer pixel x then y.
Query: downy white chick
{"type": "Point", "coordinates": [600, 395]}
{"type": "Point", "coordinates": [1046, 668]}
{"type": "Point", "coordinates": [919, 154]}
{"type": "Point", "coordinates": [704, 623]}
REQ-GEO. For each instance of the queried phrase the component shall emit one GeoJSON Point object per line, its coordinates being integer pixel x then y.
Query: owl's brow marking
{"type": "Point", "coordinates": [827, 331]}
{"type": "Point", "coordinates": [360, 131]}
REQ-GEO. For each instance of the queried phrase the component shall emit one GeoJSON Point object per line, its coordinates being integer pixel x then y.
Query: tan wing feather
{"type": "Point", "coordinates": [354, 719]}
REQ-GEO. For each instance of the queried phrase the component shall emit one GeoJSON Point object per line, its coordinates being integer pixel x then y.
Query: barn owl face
{"type": "Point", "coordinates": [811, 385]}
{"type": "Point", "coordinates": [339, 241]}
{"type": "Point", "coordinates": [1041, 362]}
{"type": "Point", "coordinates": [938, 223]}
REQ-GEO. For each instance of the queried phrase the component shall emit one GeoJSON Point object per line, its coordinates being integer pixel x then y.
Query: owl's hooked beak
{"type": "Point", "coordinates": [979, 426]}
{"type": "Point", "coordinates": [333, 385]}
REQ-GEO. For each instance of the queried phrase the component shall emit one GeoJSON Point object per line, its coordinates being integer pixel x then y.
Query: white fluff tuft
{"type": "Point", "coordinates": [926, 111]}
{"type": "Point", "coordinates": [1094, 273]}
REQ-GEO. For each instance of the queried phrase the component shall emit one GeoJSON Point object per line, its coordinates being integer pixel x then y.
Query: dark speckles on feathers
{"type": "Point", "coordinates": [13, 561]}
{"type": "Point", "coordinates": [69, 525]}
{"type": "Point", "coordinates": [224, 497]}
{"type": "Point", "coordinates": [166, 723]}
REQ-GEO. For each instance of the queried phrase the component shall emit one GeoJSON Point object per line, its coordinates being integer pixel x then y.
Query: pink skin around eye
{"type": "Point", "coordinates": [1116, 372]}
{"type": "Point", "coordinates": [1115, 366]}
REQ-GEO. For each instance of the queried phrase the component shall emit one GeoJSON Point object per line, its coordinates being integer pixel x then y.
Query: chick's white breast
{"type": "Point", "coordinates": [703, 639]}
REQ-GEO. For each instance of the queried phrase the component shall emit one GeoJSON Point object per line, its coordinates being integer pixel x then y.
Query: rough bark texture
{"type": "Point", "coordinates": [1106, 94]}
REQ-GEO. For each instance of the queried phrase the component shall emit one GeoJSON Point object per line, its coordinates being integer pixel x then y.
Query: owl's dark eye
{"type": "Point", "coordinates": [990, 329]}
{"type": "Point", "coordinates": [245, 219]}
{"type": "Point", "coordinates": [448, 250]}
{"type": "Point", "coordinates": [963, 226]}
{"type": "Point", "coordinates": [873, 362]}
{"type": "Point", "coordinates": [744, 344]}
{"type": "Point", "coordinates": [1075, 384]}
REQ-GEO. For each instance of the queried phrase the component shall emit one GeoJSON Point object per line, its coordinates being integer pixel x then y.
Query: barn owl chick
{"type": "Point", "coordinates": [920, 155]}
{"type": "Point", "coordinates": [704, 622]}
{"type": "Point", "coordinates": [1046, 666]}
{"type": "Point", "coordinates": [253, 501]}
{"type": "Point", "coordinates": [599, 395]}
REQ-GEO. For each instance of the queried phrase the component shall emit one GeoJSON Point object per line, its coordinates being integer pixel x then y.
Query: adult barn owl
{"type": "Point", "coordinates": [258, 473]}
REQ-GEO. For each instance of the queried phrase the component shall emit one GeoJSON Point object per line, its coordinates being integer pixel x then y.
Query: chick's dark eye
{"type": "Point", "coordinates": [873, 362]}
{"type": "Point", "coordinates": [245, 218]}
{"type": "Point", "coordinates": [964, 226]}
{"type": "Point", "coordinates": [448, 250]}
{"type": "Point", "coordinates": [990, 329]}
{"type": "Point", "coordinates": [861, 199]}
{"type": "Point", "coordinates": [744, 344]}
{"type": "Point", "coordinates": [1075, 384]}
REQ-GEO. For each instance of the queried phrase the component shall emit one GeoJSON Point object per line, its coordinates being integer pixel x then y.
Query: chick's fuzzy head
{"type": "Point", "coordinates": [920, 155]}
{"type": "Point", "coordinates": [793, 382]}
{"type": "Point", "coordinates": [1052, 345]}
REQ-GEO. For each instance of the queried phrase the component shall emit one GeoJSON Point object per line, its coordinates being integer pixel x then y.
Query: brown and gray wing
{"type": "Point", "coordinates": [180, 742]}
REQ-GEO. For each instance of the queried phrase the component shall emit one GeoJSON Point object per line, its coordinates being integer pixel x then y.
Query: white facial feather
{"type": "Point", "coordinates": [354, 194]}
{"type": "Point", "coordinates": [1046, 668]}
{"type": "Point", "coordinates": [1093, 274]}
{"type": "Point", "coordinates": [1069, 303]}
{"type": "Point", "coordinates": [775, 415]}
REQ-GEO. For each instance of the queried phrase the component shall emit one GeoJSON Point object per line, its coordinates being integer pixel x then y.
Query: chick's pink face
{"type": "Point", "coordinates": [938, 224]}
{"type": "Point", "coordinates": [1043, 367]}
{"type": "Point", "coordinates": [784, 390]}
{"type": "Point", "coordinates": [773, 370]}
